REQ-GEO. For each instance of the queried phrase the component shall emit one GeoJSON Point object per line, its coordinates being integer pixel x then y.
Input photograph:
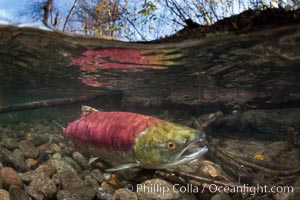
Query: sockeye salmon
{"type": "Point", "coordinates": [127, 140]}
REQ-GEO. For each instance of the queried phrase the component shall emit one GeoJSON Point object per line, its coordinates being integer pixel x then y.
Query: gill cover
{"type": "Point", "coordinates": [161, 145]}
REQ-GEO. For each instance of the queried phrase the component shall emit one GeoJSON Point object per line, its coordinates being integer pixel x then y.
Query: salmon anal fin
{"type": "Point", "coordinates": [124, 166]}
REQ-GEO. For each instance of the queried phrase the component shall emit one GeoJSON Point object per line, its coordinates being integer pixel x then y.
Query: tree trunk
{"type": "Point", "coordinates": [69, 14]}
{"type": "Point", "coordinates": [47, 11]}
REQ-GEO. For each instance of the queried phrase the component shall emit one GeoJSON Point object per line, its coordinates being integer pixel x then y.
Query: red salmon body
{"type": "Point", "coordinates": [127, 140]}
{"type": "Point", "coordinates": [115, 130]}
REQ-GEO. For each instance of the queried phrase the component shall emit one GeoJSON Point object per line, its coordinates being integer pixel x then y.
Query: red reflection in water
{"type": "Point", "coordinates": [115, 58]}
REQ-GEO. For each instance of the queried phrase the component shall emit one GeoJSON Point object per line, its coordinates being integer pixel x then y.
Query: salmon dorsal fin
{"type": "Point", "coordinates": [87, 110]}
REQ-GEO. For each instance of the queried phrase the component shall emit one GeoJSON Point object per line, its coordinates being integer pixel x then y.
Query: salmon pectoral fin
{"type": "Point", "coordinates": [124, 166]}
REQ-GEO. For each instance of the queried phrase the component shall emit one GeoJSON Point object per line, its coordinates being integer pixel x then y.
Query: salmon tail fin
{"type": "Point", "coordinates": [86, 110]}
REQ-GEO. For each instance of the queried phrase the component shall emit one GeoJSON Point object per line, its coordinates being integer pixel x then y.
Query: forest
{"type": "Point", "coordinates": [140, 20]}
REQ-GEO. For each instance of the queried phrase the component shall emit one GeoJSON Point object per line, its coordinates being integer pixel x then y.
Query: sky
{"type": "Point", "coordinates": [9, 8]}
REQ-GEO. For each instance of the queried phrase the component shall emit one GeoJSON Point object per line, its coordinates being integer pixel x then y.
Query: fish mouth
{"type": "Point", "coordinates": [193, 150]}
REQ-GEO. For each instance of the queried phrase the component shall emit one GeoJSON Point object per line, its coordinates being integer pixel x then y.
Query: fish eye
{"type": "Point", "coordinates": [171, 145]}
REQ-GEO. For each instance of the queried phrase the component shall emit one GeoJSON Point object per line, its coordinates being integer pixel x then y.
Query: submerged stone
{"type": "Point", "coordinates": [9, 177]}
{"type": "Point", "coordinates": [4, 195]}
{"type": "Point", "coordinates": [16, 193]}
{"type": "Point", "coordinates": [81, 193]}
{"type": "Point", "coordinates": [42, 188]}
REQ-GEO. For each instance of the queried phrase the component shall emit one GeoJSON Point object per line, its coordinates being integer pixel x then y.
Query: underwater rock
{"type": "Point", "coordinates": [295, 194]}
{"type": "Point", "coordinates": [81, 193]}
{"type": "Point", "coordinates": [4, 195]}
{"type": "Point", "coordinates": [28, 148]}
{"type": "Point", "coordinates": [58, 164]}
{"type": "Point", "coordinates": [113, 181]}
{"type": "Point", "coordinates": [16, 193]}
{"type": "Point", "coordinates": [42, 172]}
{"type": "Point", "coordinates": [40, 128]}
{"type": "Point", "coordinates": [221, 196]}
{"type": "Point", "coordinates": [42, 188]}
{"type": "Point", "coordinates": [9, 143]}
{"type": "Point", "coordinates": [73, 163]}
{"type": "Point", "coordinates": [80, 159]}
{"type": "Point", "coordinates": [18, 158]}
{"type": "Point", "coordinates": [124, 194]}
{"type": "Point", "coordinates": [5, 158]}
{"type": "Point", "coordinates": [56, 156]}
{"type": "Point", "coordinates": [157, 189]}
{"type": "Point", "coordinates": [190, 167]}
{"type": "Point", "coordinates": [90, 182]}
{"type": "Point", "coordinates": [187, 196]}
{"type": "Point", "coordinates": [99, 165]}
{"type": "Point", "coordinates": [43, 155]}
{"type": "Point", "coordinates": [69, 179]}
{"type": "Point", "coordinates": [103, 194]}
{"type": "Point", "coordinates": [31, 163]}
{"type": "Point", "coordinates": [97, 174]}
{"type": "Point", "coordinates": [258, 124]}
{"type": "Point", "coordinates": [40, 139]}
{"type": "Point", "coordinates": [50, 148]}
{"type": "Point", "coordinates": [211, 170]}
{"type": "Point", "coordinates": [142, 101]}
{"type": "Point", "coordinates": [8, 177]}
{"type": "Point", "coordinates": [107, 187]}
{"type": "Point", "coordinates": [67, 149]}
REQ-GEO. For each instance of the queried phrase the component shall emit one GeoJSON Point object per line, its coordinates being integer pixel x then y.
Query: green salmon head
{"type": "Point", "coordinates": [166, 145]}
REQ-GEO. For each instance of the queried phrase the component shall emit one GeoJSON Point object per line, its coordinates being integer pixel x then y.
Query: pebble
{"type": "Point", "coordinates": [81, 160]}
{"type": "Point", "coordinates": [295, 195]}
{"type": "Point", "coordinates": [38, 140]}
{"type": "Point", "coordinates": [221, 196]}
{"type": "Point", "coordinates": [31, 163]}
{"type": "Point", "coordinates": [72, 162]}
{"type": "Point", "coordinates": [82, 193]}
{"type": "Point", "coordinates": [8, 177]}
{"type": "Point", "coordinates": [103, 194]}
{"type": "Point", "coordinates": [164, 191]}
{"type": "Point", "coordinates": [99, 165]}
{"type": "Point", "coordinates": [18, 158]}
{"type": "Point", "coordinates": [29, 150]}
{"type": "Point", "coordinates": [124, 194]}
{"type": "Point", "coordinates": [187, 196]}
{"type": "Point", "coordinates": [97, 174]}
{"type": "Point", "coordinates": [68, 149]}
{"type": "Point", "coordinates": [107, 176]}
{"type": "Point", "coordinates": [6, 158]}
{"type": "Point", "coordinates": [90, 182]}
{"type": "Point", "coordinates": [50, 148]}
{"type": "Point", "coordinates": [57, 163]}
{"type": "Point", "coordinates": [57, 156]}
{"type": "Point", "coordinates": [16, 193]}
{"type": "Point", "coordinates": [41, 128]}
{"type": "Point", "coordinates": [107, 187]}
{"type": "Point", "coordinates": [114, 181]}
{"type": "Point", "coordinates": [69, 179]}
{"type": "Point", "coordinates": [9, 143]}
{"type": "Point", "coordinates": [42, 188]}
{"type": "Point", "coordinates": [41, 172]}
{"type": "Point", "coordinates": [4, 195]}
{"type": "Point", "coordinates": [43, 155]}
